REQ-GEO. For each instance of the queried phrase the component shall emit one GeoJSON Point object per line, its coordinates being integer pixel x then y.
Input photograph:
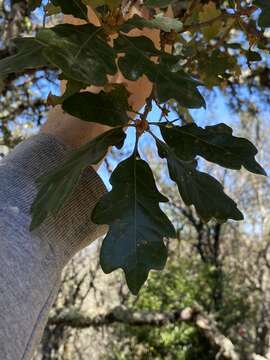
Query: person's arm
{"type": "Point", "coordinates": [31, 263]}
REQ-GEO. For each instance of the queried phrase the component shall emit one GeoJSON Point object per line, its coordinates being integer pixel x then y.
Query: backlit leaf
{"type": "Point", "coordinates": [208, 13]}
{"type": "Point", "coordinates": [159, 22]}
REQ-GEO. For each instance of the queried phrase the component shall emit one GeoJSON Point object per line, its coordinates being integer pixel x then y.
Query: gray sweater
{"type": "Point", "coordinates": [31, 263]}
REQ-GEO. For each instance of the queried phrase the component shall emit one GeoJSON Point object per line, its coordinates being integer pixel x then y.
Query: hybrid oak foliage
{"type": "Point", "coordinates": [199, 46]}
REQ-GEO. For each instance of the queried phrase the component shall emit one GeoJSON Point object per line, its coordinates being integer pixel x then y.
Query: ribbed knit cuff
{"type": "Point", "coordinates": [72, 229]}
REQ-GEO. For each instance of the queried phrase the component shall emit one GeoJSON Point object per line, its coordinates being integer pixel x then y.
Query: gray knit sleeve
{"type": "Point", "coordinates": [31, 263]}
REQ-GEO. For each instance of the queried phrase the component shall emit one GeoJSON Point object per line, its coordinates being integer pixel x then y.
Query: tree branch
{"type": "Point", "coordinates": [191, 315]}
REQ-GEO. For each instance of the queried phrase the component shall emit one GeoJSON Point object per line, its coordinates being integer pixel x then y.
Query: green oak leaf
{"type": "Point", "coordinates": [104, 108]}
{"type": "Point", "coordinates": [169, 85]}
{"type": "Point", "coordinates": [214, 143]}
{"type": "Point", "coordinates": [138, 51]}
{"type": "Point", "coordinates": [199, 189]}
{"type": "Point", "coordinates": [29, 56]}
{"type": "Point", "coordinates": [137, 225]}
{"type": "Point", "coordinates": [72, 7]}
{"type": "Point", "coordinates": [81, 52]}
{"type": "Point", "coordinates": [158, 3]}
{"type": "Point", "coordinates": [159, 22]}
{"type": "Point", "coordinates": [264, 17]}
{"type": "Point", "coordinates": [179, 86]}
{"type": "Point", "coordinates": [55, 188]}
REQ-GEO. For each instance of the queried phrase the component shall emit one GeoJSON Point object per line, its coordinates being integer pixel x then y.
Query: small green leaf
{"type": "Point", "coordinates": [104, 108]}
{"type": "Point", "coordinates": [72, 7]}
{"type": "Point", "coordinates": [200, 189]}
{"type": "Point", "coordinates": [56, 187]}
{"type": "Point", "coordinates": [214, 143]}
{"type": "Point", "coordinates": [137, 224]}
{"type": "Point", "coordinates": [29, 56]}
{"type": "Point", "coordinates": [81, 52]}
{"type": "Point", "coordinates": [159, 22]}
{"type": "Point", "coordinates": [209, 12]}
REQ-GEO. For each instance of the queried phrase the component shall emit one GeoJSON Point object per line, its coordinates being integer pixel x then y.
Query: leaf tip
{"type": "Point", "coordinates": [238, 216]}
{"type": "Point", "coordinates": [133, 287]}
{"type": "Point", "coordinates": [254, 167]}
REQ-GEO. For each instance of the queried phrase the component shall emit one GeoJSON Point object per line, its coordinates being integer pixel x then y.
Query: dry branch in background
{"type": "Point", "coordinates": [192, 315]}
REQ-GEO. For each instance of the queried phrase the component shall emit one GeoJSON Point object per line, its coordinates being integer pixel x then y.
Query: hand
{"type": "Point", "coordinates": [74, 132]}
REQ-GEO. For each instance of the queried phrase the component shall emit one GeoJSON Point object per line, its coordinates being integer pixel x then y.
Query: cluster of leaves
{"type": "Point", "coordinates": [87, 55]}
